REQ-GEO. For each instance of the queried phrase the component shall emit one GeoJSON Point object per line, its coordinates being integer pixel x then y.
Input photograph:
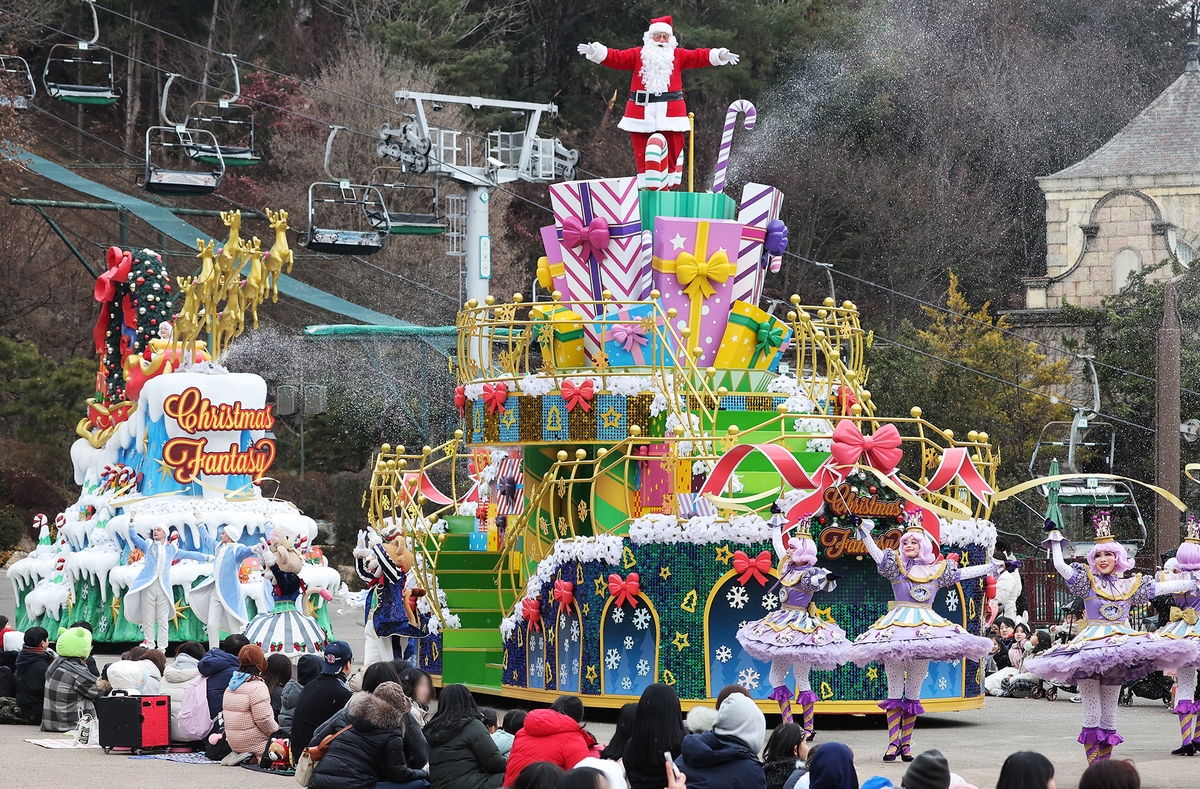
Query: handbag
{"type": "Point", "coordinates": [307, 763]}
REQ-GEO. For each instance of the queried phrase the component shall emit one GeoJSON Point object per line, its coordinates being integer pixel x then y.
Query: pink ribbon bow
{"type": "Point", "coordinates": [756, 568]}
{"type": "Point", "coordinates": [532, 609]}
{"type": "Point", "coordinates": [580, 395]}
{"type": "Point", "coordinates": [628, 336]}
{"type": "Point", "coordinates": [564, 595]}
{"type": "Point", "coordinates": [494, 396]}
{"type": "Point", "coordinates": [624, 590]}
{"type": "Point", "coordinates": [881, 449]}
{"type": "Point", "coordinates": [593, 238]}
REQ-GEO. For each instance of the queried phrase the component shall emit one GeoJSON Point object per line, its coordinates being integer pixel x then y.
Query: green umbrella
{"type": "Point", "coordinates": [1052, 511]}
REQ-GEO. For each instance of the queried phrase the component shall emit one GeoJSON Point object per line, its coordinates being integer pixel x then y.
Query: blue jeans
{"type": "Point", "coordinates": [420, 783]}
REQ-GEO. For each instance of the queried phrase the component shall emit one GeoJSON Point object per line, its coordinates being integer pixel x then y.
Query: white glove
{"type": "Point", "coordinates": [723, 57]}
{"type": "Point", "coordinates": [595, 51]}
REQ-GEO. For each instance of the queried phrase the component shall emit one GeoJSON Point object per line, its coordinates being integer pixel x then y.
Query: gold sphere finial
{"type": "Point", "coordinates": [606, 294]}
{"type": "Point", "coordinates": [672, 312]}
{"type": "Point", "coordinates": [915, 411]}
{"type": "Point", "coordinates": [562, 456]}
{"type": "Point", "coordinates": [973, 435]}
{"type": "Point", "coordinates": [679, 430]}
{"type": "Point", "coordinates": [425, 450]}
{"type": "Point", "coordinates": [556, 295]}
{"type": "Point", "coordinates": [722, 390]}
{"type": "Point", "coordinates": [782, 408]}
{"type": "Point", "coordinates": [795, 300]}
{"type": "Point", "coordinates": [386, 448]}
{"type": "Point", "coordinates": [791, 316]}
{"type": "Point", "coordinates": [458, 434]}
{"type": "Point", "coordinates": [518, 298]}
{"type": "Point", "coordinates": [983, 436]}
{"type": "Point", "coordinates": [828, 302]}
{"type": "Point", "coordinates": [601, 452]}
{"type": "Point", "coordinates": [654, 294]}
{"type": "Point", "coordinates": [489, 299]}
{"type": "Point", "coordinates": [635, 430]}
{"type": "Point", "coordinates": [949, 435]}
{"type": "Point", "coordinates": [856, 410]}
{"type": "Point", "coordinates": [733, 430]}
{"type": "Point", "coordinates": [580, 453]}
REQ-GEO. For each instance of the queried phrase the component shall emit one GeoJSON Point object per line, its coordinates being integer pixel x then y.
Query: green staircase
{"type": "Point", "coordinates": [473, 654]}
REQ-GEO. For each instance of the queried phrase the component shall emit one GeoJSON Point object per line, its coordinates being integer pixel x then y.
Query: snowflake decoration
{"type": "Point", "coordinates": [955, 663]}
{"type": "Point", "coordinates": [562, 670]}
{"type": "Point", "coordinates": [770, 601]}
{"type": "Point", "coordinates": [626, 683]}
{"type": "Point", "coordinates": [724, 654]}
{"type": "Point", "coordinates": [942, 683]}
{"type": "Point", "coordinates": [539, 667]}
{"type": "Point", "coordinates": [618, 615]}
{"type": "Point", "coordinates": [643, 668]}
{"type": "Point", "coordinates": [612, 660]}
{"type": "Point", "coordinates": [737, 597]}
{"type": "Point", "coordinates": [951, 601]}
{"type": "Point", "coordinates": [748, 678]}
{"type": "Point", "coordinates": [629, 642]}
{"type": "Point", "coordinates": [562, 622]}
{"type": "Point", "coordinates": [575, 666]}
{"type": "Point", "coordinates": [641, 619]}
{"type": "Point", "coordinates": [575, 632]}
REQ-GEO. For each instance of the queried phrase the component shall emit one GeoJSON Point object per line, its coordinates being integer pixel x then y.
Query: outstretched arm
{"type": "Point", "coordinates": [865, 533]}
{"type": "Point", "coordinates": [1060, 564]}
{"type": "Point", "coordinates": [975, 571]}
{"type": "Point", "coordinates": [777, 541]}
{"type": "Point", "coordinates": [1173, 587]}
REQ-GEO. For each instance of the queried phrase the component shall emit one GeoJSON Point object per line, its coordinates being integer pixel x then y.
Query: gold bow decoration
{"type": "Point", "coordinates": [697, 274]}
{"type": "Point", "coordinates": [1184, 615]}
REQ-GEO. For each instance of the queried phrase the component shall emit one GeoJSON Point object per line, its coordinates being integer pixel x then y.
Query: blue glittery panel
{"type": "Point", "coordinates": [477, 411]}
{"type": "Point", "coordinates": [612, 423]}
{"type": "Point", "coordinates": [509, 422]}
{"type": "Point", "coordinates": [733, 403]}
{"type": "Point", "coordinates": [555, 427]}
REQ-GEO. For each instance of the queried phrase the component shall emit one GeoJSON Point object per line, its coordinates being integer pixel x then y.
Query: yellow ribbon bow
{"type": "Point", "coordinates": [1183, 615]}
{"type": "Point", "coordinates": [696, 274]}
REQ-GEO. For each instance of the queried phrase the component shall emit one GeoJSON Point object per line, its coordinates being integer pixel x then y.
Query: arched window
{"type": "Point", "coordinates": [1126, 263]}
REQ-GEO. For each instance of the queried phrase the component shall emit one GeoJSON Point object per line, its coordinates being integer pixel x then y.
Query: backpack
{"type": "Point", "coordinates": [194, 721]}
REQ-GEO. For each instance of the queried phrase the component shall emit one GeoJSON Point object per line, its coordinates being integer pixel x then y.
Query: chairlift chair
{"type": "Point", "coordinates": [85, 63]}
{"type": "Point", "coordinates": [365, 198]}
{"type": "Point", "coordinates": [401, 219]}
{"type": "Point", "coordinates": [16, 69]}
{"type": "Point", "coordinates": [177, 138]}
{"type": "Point", "coordinates": [234, 121]}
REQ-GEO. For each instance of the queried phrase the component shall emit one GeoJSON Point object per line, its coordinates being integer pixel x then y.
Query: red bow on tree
{"type": "Point", "coordinates": [119, 265]}
{"type": "Point", "coordinates": [580, 395]}
{"type": "Point", "coordinates": [624, 590]}
{"type": "Point", "coordinates": [593, 238]}
{"type": "Point", "coordinates": [460, 400]}
{"type": "Point", "coordinates": [532, 610]}
{"type": "Point", "coordinates": [881, 449]}
{"type": "Point", "coordinates": [564, 595]}
{"type": "Point", "coordinates": [494, 396]}
{"type": "Point", "coordinates": [756, 568]}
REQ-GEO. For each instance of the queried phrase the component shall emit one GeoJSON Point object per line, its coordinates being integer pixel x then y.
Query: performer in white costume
{"type": "Point", "coordinates": [150, 601]}
{"type": "Point", "coordinates": [218, 601]}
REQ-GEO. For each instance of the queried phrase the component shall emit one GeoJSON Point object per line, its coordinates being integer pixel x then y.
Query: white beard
{"type": "Point", "coordinates": [658, 63]}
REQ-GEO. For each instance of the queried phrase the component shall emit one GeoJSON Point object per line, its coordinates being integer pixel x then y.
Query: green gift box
{"type": "Point", "coordinates": [568, 334]}
{"type": "Point", "coordinates": [686, 205]}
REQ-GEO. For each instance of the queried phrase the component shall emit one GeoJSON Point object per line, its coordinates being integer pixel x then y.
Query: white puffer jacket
{"type": "Point", "coordinates": [179, 674]}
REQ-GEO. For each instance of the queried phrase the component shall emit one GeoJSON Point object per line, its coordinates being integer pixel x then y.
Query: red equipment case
{"type": "Point", "coordinates": [138, 723]}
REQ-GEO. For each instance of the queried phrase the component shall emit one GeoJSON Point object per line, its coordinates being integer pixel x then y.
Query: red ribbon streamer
{"type": "Point", "coordinates": [881, 449]}
{"type": "Point", "coordinates": [494, 396]}
{"type": "Point", "coordinates": [119, 265]}
{"type": "Point", "coordinates": [532, 610]}
{"type": "Point", "coordinates": [564, 595]}
{"type": "Point", "coordinates": [755, 568]}
{"type": "Point", "coordinates": [624, 590]}
{"type": "Point", "coordinates": [578, 396]}
{"type": "Point", "coordinates": [956, 462]}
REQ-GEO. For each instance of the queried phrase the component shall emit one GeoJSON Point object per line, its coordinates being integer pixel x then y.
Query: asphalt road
{"type": "Point", "coordinates": [975, 743]}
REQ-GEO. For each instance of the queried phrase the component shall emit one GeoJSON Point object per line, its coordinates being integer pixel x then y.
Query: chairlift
{"type": "Point", "coordinates": [413, 208]}
{"type": "Point", "coordinates": [173, 143]}
{"type": "Point", "coordinates": [360, 198]}
{"type": "Point", "coordinates": [16, 69]}
{"type": "Point", "coordinates": [73, 71]}
{"type": "Point", "coordinates": [234, 121]}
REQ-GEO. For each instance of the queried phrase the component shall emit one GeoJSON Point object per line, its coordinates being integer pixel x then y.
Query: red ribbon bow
{"type": "Point", "coordinates": [564, 595]}
{"type": "Point", "coordinates": [624, 590]}
{"type": "Point", "coordinates": [494, 396]}
{"type": "Point", "coordinates": [593, 238]}
{"type": "Point", "coordinates": [460, 400]}
{"type": "Point", "coordinates": [580, 395]}
{"type": "Point", "coordinates": [119, 265]}
{"type": "Point", "coordinates": [532, 610]}
{"type": "Point", "coordinates": [756, 568]}
{"type": "Point", "coordinates": [881, 449]}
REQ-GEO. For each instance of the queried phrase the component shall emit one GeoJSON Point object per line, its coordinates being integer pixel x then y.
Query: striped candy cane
{"type": "Point", "coordinates": [741, 105]}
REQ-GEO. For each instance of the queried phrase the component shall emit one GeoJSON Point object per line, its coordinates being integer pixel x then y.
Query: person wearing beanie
{"type": "Point", "coordinates": [308, 668]}
{"type": "Point", "coordinates": [727, 756]}
{"type": "Point", "coordinates": [218, 600]}
{"type": "Point", "coordinates": [929, 770]}
{"type": "Point", "coordinates": [70, 687]}
{"type": "Point", "coordinates": [29, 680]}
{"type": "Point", "coordinates": [249, 720]}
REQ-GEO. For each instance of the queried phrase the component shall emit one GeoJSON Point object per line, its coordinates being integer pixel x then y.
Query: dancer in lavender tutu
{"type": "Point", "coordinates": [1184, 625]}
{"type": "Point", "coordinates": [791, 637]}
{"type": "Point", "coordinates": [910, 634]}
{"type": "Point", "coordinates": [1107, 652]}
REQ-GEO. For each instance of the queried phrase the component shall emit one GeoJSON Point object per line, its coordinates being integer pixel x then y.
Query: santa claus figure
{"type": "Point", "coordinates": [655, 103]}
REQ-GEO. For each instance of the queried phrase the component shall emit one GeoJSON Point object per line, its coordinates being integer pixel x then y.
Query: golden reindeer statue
{"type": "Point", "coordinates": [281, 254]}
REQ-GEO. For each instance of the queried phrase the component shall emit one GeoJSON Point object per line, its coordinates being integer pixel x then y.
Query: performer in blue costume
{"type": "Point", "coordinates": [150, 599]}
{"type": "Point", "coordinates": [384, 566]}
{"type": "Point", "coordinates": [218, 600]}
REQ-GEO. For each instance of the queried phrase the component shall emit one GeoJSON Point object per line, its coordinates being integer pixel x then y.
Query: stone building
{"type": "Point", "coordinates": [1132, 204]}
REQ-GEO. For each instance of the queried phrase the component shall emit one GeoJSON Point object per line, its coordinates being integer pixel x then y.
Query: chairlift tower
{"type": "Point", "coordinates": [478, 165]}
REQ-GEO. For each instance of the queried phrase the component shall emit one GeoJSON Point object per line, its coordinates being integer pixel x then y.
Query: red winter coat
{"type": "Point", "coordinates": [665, 116]}
{"type": "Point", "coordinates": [547, 736]}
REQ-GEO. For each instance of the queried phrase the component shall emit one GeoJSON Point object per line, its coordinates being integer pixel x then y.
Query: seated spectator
{"type": "Point", "coordinates": [371, 754]}
{"type": "Point", "coordinates": [583, 778]}
{"type": "Point", "coordinates": [1111, 774]}
{"type": "Point", "coordinates": [1026, 684]}
{"type": "Point", "coordinates": [784, 755]}
{"type": "Point", "coordinates": [249, 722]}
{"type": "Point", "coordinates": [139, 674]}
{"type": "Point", "coordinates": [218, 665]}
{"type": "Point", "coordinates": [657, 728]}
{"type": "Point", "coordinates": [513, 721]}
{"type": "Point", "coordinates": [929, 770]}
{"type": "Point", "coordinates": [324, 696]}
{"type": "Point", "coordinates": [70, 687]}
{"type": "Point", "coordinates": [503, 739]}
{"type": "Point", "coordinates": [728, 691]}
{"type": "Point", "coordinates": [416, 750]}
{"type": "Point", "coordinates": [29, 680]}
{"type": "Point", "coordinates": [539, 775]}
{"type": "Point", "coordinates": [418, 686]}
{"type": "Point", "coordinates": [461, 753]}
{"type": "Point", "coordinates": [11, 641]}
{"type": "Point", "coordinates": [624, 728]}
{"type": "Point", "coordinates": [1026, 770]}
{"type": "Point", "coordinates": [177, 676]}
{"type": "Point", "coordinates": [91, 661]}
{"type": "Point", "coordinates": [831, 766]}
{"type": "Point", "coordinates": [554, 735]}
{"type": "Point", "coordinates": [277, 674]}
{"type": "Point", "coordinates": [727, 756]}
{"type": "Point", "coordinates": [308, 668]}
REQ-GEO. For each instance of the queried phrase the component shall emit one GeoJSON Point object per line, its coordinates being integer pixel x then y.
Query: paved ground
{"type": "Point", "coordinates": [976, 744]}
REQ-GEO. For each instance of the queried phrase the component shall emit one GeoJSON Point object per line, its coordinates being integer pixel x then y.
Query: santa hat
{"type": "Point", "coordinates": [661, 24]}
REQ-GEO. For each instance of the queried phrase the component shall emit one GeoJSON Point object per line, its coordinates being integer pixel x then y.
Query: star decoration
{"type": "Point", "coordinates": [586, 608]}
{"type": "Point", "coordinates": [591, 674]}
{"type": "Point", "coordinates": [601, 587]}
{"type": "Point", "coordinates": [680, 641]}
{"type": "Point", "coordinates": [664, 573]}
{"type": "Point", "coordinates": [312, 605]}
{"type": "Point", "coordinates": [724, 555]}
{"type": "Point", "coordinates": [180, 607]}
{"type": "Point", "coordinates": [509, 419]}
{"type": "Point", "coordinates": [872, 672]}
{"type": "Point", "coordinates": [116, 608]}
{"type": "Point", "coordinates": [611, 417]}
{"type": "Point", "coordinates": [678, 241]}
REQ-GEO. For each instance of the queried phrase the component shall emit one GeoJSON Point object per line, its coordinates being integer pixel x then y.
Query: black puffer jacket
{"type": "Point", "coordinates": [464, 757]}
{"type": "Point", "coordinates": [29, 682]}
{"type": "Point", "coordinates": [371, 751]}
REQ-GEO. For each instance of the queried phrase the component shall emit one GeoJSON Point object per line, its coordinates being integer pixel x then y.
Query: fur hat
{"type": "Point", "coordinates": [701, 719]}
{"type": "Point", "coordinates": [74, 642]}
{"type": "Point", "coordinates": [381, 709]}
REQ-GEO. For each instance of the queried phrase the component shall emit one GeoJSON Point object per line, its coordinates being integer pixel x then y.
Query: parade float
{"type": "Point", "coordinates": [603, 520]}
{"type": "Point", "coordinates": [172, 438]}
